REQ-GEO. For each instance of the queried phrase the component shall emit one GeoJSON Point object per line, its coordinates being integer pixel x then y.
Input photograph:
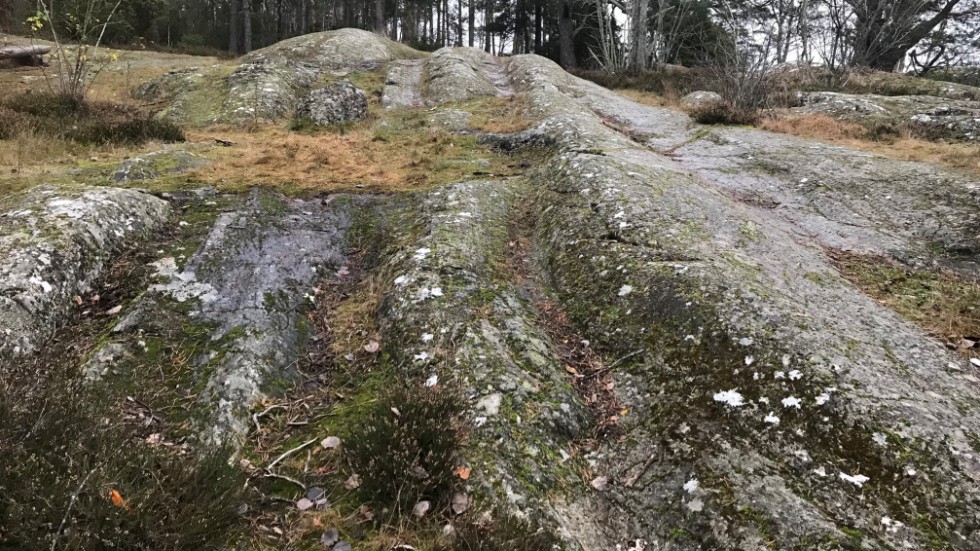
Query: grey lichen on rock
{"type": "Point", "coordinates": [336, 103]}
{"type": "Point", "coordinates": [156, 164]}
{"type": "Point", "coordinates": [54, 243]}
{"type": "Point", "coordinates": [448, 311]}
{"type": "Point", "coordinates": [246, 288]}
{"type": "Point", "coordinates": [456, 74]}
{"type": "Point", "coordinates": [697, 99]}
{"type": "Point", "coordinates": [403, 84]}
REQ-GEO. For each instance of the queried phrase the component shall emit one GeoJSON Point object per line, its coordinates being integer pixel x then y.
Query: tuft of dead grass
{"type": "Point", "coordinates": [499, 115]}
{"type": "Point", "coordinates": [819, 127]}
{"type": "Point", "coordinates": [649, 98]}
{"type": "Point", "coordinates": [943, 303]}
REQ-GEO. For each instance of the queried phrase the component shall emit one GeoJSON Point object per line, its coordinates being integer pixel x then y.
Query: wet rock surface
{"type": "Point", "coordinates": [339, 102]}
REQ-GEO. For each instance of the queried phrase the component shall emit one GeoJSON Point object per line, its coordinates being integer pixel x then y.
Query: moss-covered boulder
{"type": "Point", "coordinates": [265, 85]}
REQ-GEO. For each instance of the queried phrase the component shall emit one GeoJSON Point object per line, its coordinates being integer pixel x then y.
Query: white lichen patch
{"type": "Point", "coordinates": [625, 290]}
{"type": "Point", "coordinates": [732, 398]}
{"type": "Point", "coordinates": [792, 402]}
{"type": "Point", "coordinates": [490, 404]}
{"type": "Point", "coordinates": [772, 419]}
{"type": "Point", "coordinates": [858, 480]}
{"type": "Point", "coordinates": [691, 486]}
{"type": "Point", "coordinates": [182, 285]}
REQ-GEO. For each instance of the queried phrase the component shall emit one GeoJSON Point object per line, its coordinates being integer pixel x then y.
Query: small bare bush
{"type": "Point", "coordinates": [723, 113]}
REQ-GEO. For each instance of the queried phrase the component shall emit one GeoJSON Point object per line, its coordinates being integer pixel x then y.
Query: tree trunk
{"type": "Point", "coordinates": [471, 22]}
{"type": "Point", "coordinates": [487, 18]}
{"type": "Point", "coordinates": [246, 26]}
{"type": "Point", "coordinates": [234, 46]}
{"type": "Point", "coordinates": [379, 16]}
{"type": "Point", "coordinates": [884, 33]}
{"type": "Point", "coordinates": [520, 23]}
{"type": "Point", "coordinates": [566, 30]}
{"type": "Point", "coordinates": [638, 31]}
{"type": "Point", "coordinates": [538, 26]}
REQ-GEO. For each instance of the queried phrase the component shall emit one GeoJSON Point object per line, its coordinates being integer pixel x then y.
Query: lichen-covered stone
{"type": "Point", "coordinates": [56, 242]}
{"type": "Point", "coordinates": [697, 99]}
{"type": "Point", "coordinates": [772, 403]}
{"type": "Point", "coordinates": [339, 102]}
{"type": "Point", "coordinates": [449, 311]}
{"type": "Point", "coordinates": [268, 83]}
{"type": "Point", "coordinates": [245, 288]}
{"type": "Point", "coordinates": [403, 85]}
{"type": "Point", "coordinates": [459, 74]}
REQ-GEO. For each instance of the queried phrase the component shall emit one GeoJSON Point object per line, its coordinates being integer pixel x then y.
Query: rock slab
{"type": "Point", "coordinates": [337, 103]}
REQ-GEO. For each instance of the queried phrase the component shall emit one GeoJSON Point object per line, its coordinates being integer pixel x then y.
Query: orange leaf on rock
{"type": "Point", "coordinates": [463, 472]}
{"type": "Point", "coordinates": [116, 498]}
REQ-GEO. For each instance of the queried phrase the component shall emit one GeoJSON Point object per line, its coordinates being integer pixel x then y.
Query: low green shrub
{"type": "Point", "coordinates": [407, 447]}
{"type": "Point", "coordinates": [63, 452]}
{"type": "Point", "coordinates": [89, 123]}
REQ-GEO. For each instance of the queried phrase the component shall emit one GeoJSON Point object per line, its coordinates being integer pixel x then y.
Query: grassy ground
{"type": "Point", "coordinates": [943, 303]}
{"type": "Point", "coordinates": [394, 150]}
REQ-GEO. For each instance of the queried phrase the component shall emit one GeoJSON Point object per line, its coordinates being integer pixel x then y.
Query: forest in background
{"type": "Point", "coordinates": [613, 35]}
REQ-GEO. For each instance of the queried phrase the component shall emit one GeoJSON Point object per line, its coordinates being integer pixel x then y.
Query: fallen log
{"type": "Point", "coordinates": [29, 56]}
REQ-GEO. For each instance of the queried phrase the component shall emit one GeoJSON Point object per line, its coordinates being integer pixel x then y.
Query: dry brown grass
{"type": "Point", "coordinates": [943, 303]}
{"type": "Point", "coordinates": [499, 115]}
{"type": "Point", "coordinates": [386, 159]}
{"type": "Point", "coordinates": [116, 80]}
{"type": "Point", "coordinates": [826, 129]}
{"type": "Point", "coordinates": [818, 127]}
{"type": "Point", "coordinates": [907, 148]}
{"type": "Point", "coordinates": [649, 98]}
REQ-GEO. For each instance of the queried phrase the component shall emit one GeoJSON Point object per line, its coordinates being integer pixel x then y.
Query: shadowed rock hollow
{"type": "Point", "coordinates": [764, 401]}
